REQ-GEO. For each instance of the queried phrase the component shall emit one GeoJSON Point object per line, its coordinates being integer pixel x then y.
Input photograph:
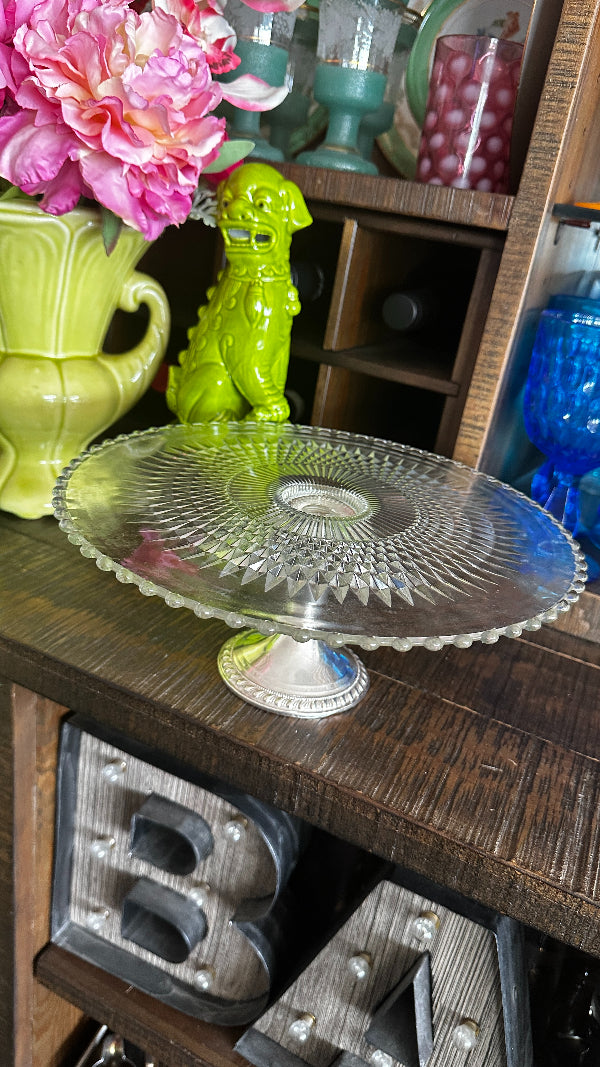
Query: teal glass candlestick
{"type": "Point", "coordinates": [372, 125]}
{"type": "Point", "coordinates": [355, 48]}
{"type": "Point", "coordinates": [378, 122]}
{"type": "Point", "coordinates": [263, 40]}
{"type": "Point", "coordinates": [286, 118]}
{"type": "Point", "coordinates": [348, 95]}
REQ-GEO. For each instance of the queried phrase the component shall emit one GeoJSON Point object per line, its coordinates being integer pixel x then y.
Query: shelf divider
{"type": "Point", "coordinates": [177, 1039]}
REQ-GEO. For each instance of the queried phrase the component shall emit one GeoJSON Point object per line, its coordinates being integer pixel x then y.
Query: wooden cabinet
{"type": "Point", "coordinates": [370, 236]}
{"type": "Point", "coordinates": [369, 376]}
{"type": "Point", "coordinates": [544, 254]}
{"type": "Point", "coordinates": [476, 767]}
{"type": "Point", "coordinates": [540, 255]}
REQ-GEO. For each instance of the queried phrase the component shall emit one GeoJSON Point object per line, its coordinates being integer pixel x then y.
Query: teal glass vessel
{"type": "Point", "coordinates": [349, 95]}
{"type": "Point", "coordinates": [263, 40]}
{"type": "Point", "coordinates": [292, 114]}
{"type": "Point", "coordinates": [373, 125]}
{"type": "Point", "coordinates": [354, 50]}
{"type": "Point", "coordinates": [269, 63]}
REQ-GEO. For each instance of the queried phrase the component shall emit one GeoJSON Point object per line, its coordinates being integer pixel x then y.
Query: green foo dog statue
{"type": "Point", "coordinates": [235, 365]}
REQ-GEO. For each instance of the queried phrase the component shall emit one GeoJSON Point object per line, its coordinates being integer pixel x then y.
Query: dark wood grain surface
{"type": "Point", "coordinates": [177, 1040]}
{"type": "Point", "coordinates": [9, 991]}
{"type": "Point", "coordinates": [458, 206]}
{"type": "Point", "coordinates": [477, 767]}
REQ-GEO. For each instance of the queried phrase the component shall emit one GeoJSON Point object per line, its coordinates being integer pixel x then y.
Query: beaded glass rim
{"type": "Point", "coordinates": [267, 626]}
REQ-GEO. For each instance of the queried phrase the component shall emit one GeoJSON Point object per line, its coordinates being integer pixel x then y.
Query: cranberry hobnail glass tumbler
{"type": "Point", "coordinates": [466, 136]}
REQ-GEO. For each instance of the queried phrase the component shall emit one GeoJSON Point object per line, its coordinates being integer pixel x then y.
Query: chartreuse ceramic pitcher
{"type": "Point", "coordinates": [58, 389]}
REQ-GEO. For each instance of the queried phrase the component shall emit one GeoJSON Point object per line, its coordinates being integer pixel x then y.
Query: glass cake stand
{"type": "Point", "coordinates": [316, 539]}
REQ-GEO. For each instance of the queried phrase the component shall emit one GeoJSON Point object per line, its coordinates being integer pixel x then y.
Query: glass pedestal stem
{"type": "Point", "coordinates": [343, 128]}
{"type": "Point", "coordinates": [349, 95]}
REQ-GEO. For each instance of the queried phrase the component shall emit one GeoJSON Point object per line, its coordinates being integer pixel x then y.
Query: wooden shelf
{"type": "Point", "coordinates": [396, 196]}
{"type": "Point", "coordinates": [354, 348]}
{"type": "Point", "coordinates": [405, 362]}
{"type": "Point", "coordinates": [473, 767]}
{"type": "Point", "coordinates": [576, 214]}
{"type": "Point", "coordinates": [561, 169]}
{"type": "Point", "coordinates": [176, 1039]}
{"type": "Point", "coordinates": [477, 768]}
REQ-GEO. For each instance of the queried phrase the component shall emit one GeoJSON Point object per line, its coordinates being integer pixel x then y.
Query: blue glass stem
{"type": "Point", "coordinates": [563, 501]}
{"type": "Point", "coordinates": [542, 481]}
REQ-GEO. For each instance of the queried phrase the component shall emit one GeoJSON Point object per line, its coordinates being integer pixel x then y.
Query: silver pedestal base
{"type": "Point", "coordinates": [306, 680]}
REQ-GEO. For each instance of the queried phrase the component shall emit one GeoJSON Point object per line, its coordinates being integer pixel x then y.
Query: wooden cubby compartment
{"type": "Point", "coordinates": [411, 386]}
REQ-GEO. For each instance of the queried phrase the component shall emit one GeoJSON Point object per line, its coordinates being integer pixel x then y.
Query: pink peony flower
{"type": "Point", "coordinates": [204, 20]}
{"type": "Point", "coordinates": [102, 101]}
{"type": "Point", "coordinates": [112, 105]}
{"type": "Point", "coordinates": [6, 32]}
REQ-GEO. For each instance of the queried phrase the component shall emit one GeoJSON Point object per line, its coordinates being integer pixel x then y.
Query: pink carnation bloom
{"type": "Point", "coordinates": [111, 105]}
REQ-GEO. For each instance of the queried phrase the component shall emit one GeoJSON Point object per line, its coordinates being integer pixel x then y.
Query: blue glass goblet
{"type": "Point", "coordinates": [562, 406]}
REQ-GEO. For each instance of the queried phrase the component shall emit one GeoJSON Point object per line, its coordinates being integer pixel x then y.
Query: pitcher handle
{"type": "Point", "coordinates": [134, 370]}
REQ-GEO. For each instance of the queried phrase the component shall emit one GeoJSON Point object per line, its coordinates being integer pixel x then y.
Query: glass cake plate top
{"type": "Point", "coordinates": [319, 534]}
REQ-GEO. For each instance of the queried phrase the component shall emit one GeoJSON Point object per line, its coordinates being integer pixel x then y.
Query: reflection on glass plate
{"type": "Point", "coordinates": [317, 533]}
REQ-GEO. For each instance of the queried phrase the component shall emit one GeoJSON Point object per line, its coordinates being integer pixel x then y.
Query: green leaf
{"type": "Point", "coordinates": [8, 191]}
{"type": "Point", "coordinates": [111, 229]}
{"type": "Point", "coordinates": [230, 152]}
